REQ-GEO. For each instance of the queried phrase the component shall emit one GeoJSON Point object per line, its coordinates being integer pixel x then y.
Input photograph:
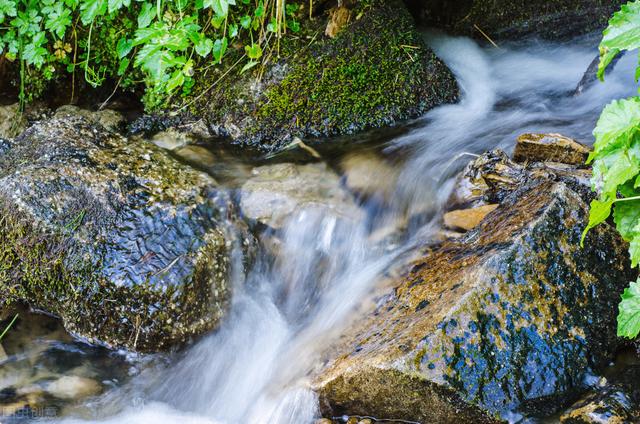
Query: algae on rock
{"type": "Point", "coordinates": [374, 73]}
{"type": "Point", "coordinates": [507, 317]}
{"type": "Point", "coordinates": [125, 244]}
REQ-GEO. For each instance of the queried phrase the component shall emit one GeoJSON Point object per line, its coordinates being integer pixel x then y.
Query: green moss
{"type": "Point", "coordinates": [372, 74]}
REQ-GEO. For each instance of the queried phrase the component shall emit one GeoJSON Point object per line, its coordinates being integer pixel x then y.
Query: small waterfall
{"type": "Point", "coordinates": [295, 301]}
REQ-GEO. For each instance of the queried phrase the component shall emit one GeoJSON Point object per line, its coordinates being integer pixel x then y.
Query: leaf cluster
{"type": "Point", "coordinates": [168, 42]}
{"type": "Point", "coordinates": [616, 160]}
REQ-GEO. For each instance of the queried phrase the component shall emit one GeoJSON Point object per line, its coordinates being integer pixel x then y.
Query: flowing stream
{"type": "Point", "coordinates": [298, 298]}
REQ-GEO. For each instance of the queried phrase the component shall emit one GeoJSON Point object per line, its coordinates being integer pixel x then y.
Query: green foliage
{"type": "Point", "coordinates": [616, 160]}
{"type": "Point", "coordinates": [164, 44]}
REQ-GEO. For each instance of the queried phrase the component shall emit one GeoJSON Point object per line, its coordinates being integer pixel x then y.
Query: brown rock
{"type": "Point", "coordinates": [510, 316]}
{"type": "Point", "coordinates": [466, 219]}
{"type": "Point", "coordinates": [339, 18]}
{"type": "Point", "coordinates": [550, 148]}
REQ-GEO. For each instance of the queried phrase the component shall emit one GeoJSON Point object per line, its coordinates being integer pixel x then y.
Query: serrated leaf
{"type": "Point", "coordinates": [147, 13]}
{"type": "Point", "coordinates": [629, 312]}
{"type": "Point", "coordinates": [598, 213]}
{"type": "Point", "coordinates": [614, 125]}
{"type": "Point", "coordinates": [7, 8]}
{"type": "Point", "coordinates": [634, 251]}
{"type": "Point", "coordinates": [627, 217]}
{"type": "Point", "coordinates": [115, 5]}
{"type": "Point", "coordinates": [176, 80]}
{"type": "Point", "coordinates": [91, 9]}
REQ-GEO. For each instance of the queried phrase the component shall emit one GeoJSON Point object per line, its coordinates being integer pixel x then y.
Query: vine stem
{"type": "Point", "coordinates": [627, 199]}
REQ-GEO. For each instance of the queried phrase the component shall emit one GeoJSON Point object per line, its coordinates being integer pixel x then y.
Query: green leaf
{"type": "Point", "coordinates": [245, 22]}
{"type": "Point", "coordinates": [58, 21]}
{"type": "Point", "coordinates": [623, 33]}
{"type": "Point", "coordinates": [254, 51]}
{"type": "Point", "coordinates": [7, 8]}
{"type": "Point", "coordinates": [176, 80]}
{"type": "Point", "coordinates": [248, 66]}
{"type": "Point", "coordinates": [220, 7]}
{"type": "Point", "coordinates": [598, 213]}
{"type": "Point", "coordinates": [147, 13]}
{"type": "Point", "coordinates": [115, 5]}
{"type": "Point", "coordinates": [124, 64]}
{"type": "Point", "coordinates": [616, 125]}
{"type": "Point", "coordinates": [204, 46]}
{"type": "Point", "coordinates": [219, 48]}
{"type": "Point", "coordinates": [91, 9]}
{"type": "Point", "coordinates": [627, 216]}
{"type": "Point", "coordinates": [124, 47]}
{"type": "Point", "coordinates": [629, 312]}
{"type": "Point", "coordinates": [634, 251]}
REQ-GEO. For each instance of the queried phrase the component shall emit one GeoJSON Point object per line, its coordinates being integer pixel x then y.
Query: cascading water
{"type": "Point", "coordinates": [294, 302]}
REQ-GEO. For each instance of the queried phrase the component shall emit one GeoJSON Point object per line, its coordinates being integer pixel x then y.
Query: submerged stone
{"type": "Point", "coordinates": [510, 316]}
{"type": "Point", "coordinates": [128, 246]}
{"type": "Point", "coordinates": [274, 193]}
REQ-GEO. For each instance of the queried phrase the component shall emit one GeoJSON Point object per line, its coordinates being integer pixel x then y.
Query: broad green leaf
{"type": "Point", "coordinates": [124, 64]}
{"type": "Point", "coordinates": [124, 47]}
{"type": "Point", "coordinates": [219, 48]}
{"type": "Point", "coordinates": [254, 51]}
{"type": "Point", "coordinates": [147, 13]}
{"type": "Point", "coordinates": [115, 5]}
{"type": "Point", "coordinates": [204, 46]}
{"type": "Point", "coordinates": [7, 8]}
{"type": "Point", "coordinates": [627, 217]}
{"type": "Point", "coordinates": [599, 212]}
{"type": "Point", "coordinates": [611, 171]}
{"type": "Point", "coordinates": [617, 123]}
{"type": "Point", "coordinates": [220, 7]}
{"type": "Point", "coordinates": [245, 22]}
{"type": "Point", "coordinates": [176, 80]}
{"type": "Point", "coordinates": [58, 21]}
{"type": "Point", "coordinates": [623, 33]}
{"type": "Point", "coordinates": [629, 312]}
{"type": "Point", "coordinates": [634, 251]}
{"type": "Point", "coordinates": [91, 9]}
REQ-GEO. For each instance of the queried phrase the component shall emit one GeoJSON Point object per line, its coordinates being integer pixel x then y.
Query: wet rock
{"type": "Point", "coordinates": [3, 354]}
{"type": "Point", "coordinates": [550, 148]}
{"type": "Point", "coordinates": [610, 405]}
{"type": "Point", "coordinates": [368, 175]}
{"type": "Point", "coordinates": [109, 119]}
{"type": "Point", "coordinates": [493, 176]}
{"type": "Point", "coordinates": [467, 219]}
{"type": "Point", "coordinates": [125, 244]}
{"type": "Point", "coordinates": [275, 192]}
{"type": "Point", "coordinates": [12, 122]}
{"type": "Point", "coordinates": [324, 421]}
{"type": "Point", "coordinates": [375, 72]}
{"type": "Point", "coordinates": [508, 19]}
{"type": "Point", "coordinates": [513, 315]}
{"type": "Point", "coordinates": [172, 139]}
{"type": "Point", "coordinates": [73, 387]}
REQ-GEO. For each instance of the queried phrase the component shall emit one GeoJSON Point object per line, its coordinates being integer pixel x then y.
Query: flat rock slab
{"type": "Point", "coordinates": [550, 148]}
{"type": "Point", "coordinates": [509, 317]}
{"type": "Point", "coordinates": [128, 246]}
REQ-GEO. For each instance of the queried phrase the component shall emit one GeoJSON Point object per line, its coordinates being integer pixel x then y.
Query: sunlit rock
{"type": "Point", "coordinates": [509, 317]}
{"type": "Point", "coordinates": [550, 148]}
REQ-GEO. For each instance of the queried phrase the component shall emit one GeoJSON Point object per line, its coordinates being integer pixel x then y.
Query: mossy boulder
{"type": "Point", "coordinates": [125, 244]}
{"type": "Point", "coordinates": [509, 19]}
{"type": "Point", "coordinates": [375, 72]}
{"type": "Point", "coordinates": [509, 317]}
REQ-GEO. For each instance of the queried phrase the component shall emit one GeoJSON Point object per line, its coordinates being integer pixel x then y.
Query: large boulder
{"type": "Point", "coordinates": [510, 316]}
{"type": "Point", "coordinates": [508, 19]}
{"type": "Point", "coordinates": [128, 246]}
{"type": "Point", "coordinates": [376, 71]}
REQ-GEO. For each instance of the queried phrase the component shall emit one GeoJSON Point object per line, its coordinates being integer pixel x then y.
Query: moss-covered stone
{"type": "Point", "coordinates": [511, 316]}
{"type": "Point", "coordinates": [508, 19]}
{"type": "Point", "coordinates": [375, 72]}
{"type": "Point", "coordinates": [125, 244]}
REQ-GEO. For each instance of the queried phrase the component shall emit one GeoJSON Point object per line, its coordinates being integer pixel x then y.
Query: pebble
{"type": "Point", "coordinates": [73, 387]}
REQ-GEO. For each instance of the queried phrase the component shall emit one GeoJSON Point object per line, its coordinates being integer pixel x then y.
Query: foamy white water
{"type": "Point", "coordinates": [292, 305]}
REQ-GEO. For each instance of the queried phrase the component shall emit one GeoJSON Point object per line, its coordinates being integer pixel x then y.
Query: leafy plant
{"type": "Point", "coordinates": [616, 160]}
{"type": "Point", "coordinates": [163, 44]}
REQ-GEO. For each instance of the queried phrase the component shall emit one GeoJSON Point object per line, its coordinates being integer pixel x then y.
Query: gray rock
{"type": "Point", "coordinates": [110, 119]}
{"type": "Point", "coordinates": [12, 122]}
{"type": "Point", "coordinates": [275, 192]}
{"type": "Point", "coordinates": [128, 246]}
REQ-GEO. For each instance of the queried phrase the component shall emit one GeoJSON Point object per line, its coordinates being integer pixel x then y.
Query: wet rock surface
{"type": "Point", "coordinates": [509, 317]}
{"type": "Point", "coordinates": [507, 19]}
{"type": "Point", "coordinates": [125, 244]}
{"type": "Point", "coordinates": [275, 192]}
{"type": "Point", "coordinates": [550, 148]}
{"type": "Point", "coordinates": [45, 371]}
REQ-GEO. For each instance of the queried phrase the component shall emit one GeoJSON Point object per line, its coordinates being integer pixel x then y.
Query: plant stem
{"type": "Point", "coordinates": [6, 330]}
